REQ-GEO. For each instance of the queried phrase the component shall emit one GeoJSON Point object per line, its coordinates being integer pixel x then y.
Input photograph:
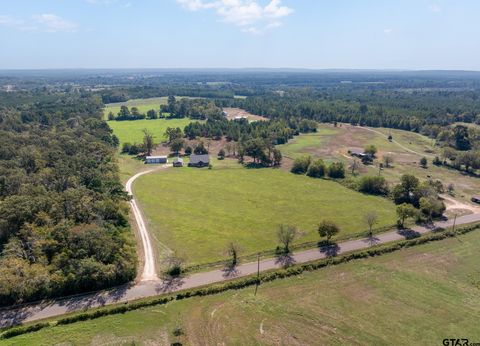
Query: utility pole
{"type": "Point", "coordinates": [454, 222]}
{"type": "Point", "coordinates": [258, 274]}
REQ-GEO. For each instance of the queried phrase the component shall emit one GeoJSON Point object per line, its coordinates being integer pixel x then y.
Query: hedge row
{"type": "Point", "coordinates": [244, 282]}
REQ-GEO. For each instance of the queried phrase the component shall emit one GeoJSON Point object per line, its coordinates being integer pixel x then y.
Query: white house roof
{"type": "Point", "coordinates": [199, 158]}
{"type": "Point", "coordinates": [155, 157]}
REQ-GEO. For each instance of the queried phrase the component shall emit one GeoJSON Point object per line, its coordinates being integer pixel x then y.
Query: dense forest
{"type": "Point", "coordinates": [63, 213]}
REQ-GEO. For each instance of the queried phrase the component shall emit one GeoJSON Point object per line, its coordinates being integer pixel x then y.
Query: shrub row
{"type": "Point", "coordinates": [268, 276]}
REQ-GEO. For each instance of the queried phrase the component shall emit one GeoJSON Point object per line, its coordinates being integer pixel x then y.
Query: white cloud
{"type": "Point", "coordinates": [40, 22]}
{"type": "Point", "coordinates": [388, 31]}
{"type": "Point", "coordinates": [249, 15]}
{"type": "Point", "coordinates": [434, 8]}
{"type": "Point", "coordinates": [53, 23]}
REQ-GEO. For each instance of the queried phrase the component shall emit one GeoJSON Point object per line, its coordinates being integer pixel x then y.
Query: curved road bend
{"type": "Point", "coordinates": [149, 286]}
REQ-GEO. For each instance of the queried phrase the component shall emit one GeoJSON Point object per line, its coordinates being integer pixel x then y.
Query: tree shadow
{"type": "Point", "coordinates": [10, 318]}
{"type": "Point", "coordinates": [15, 316]}
{"type": "Point", "coordinates": [252, 165]}
{"type": "Point", "coordinates": [284, 259]}
{"type": "Point", "coordinates": [408, 233]}
{"type": "Point", "coordinates": [230, 271]}
{"type": "Point", "coordinates": [96, 299]}
{"type": "Point", "coordinates": [329, 249]}
{"type": "Point", "coordinates": [169, 284]}
{"type": "Point", "coordinates": [371, 240]}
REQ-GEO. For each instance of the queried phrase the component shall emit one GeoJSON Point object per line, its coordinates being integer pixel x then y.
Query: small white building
{"type": "Point", "coordinates": [178, 162]}
{"type": "Point", "coordinates": [155, 159]}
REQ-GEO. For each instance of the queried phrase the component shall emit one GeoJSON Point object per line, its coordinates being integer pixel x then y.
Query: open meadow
{"type": "Point", "coordinates": [407, 148]}
{"type": "Point", "coordinates": [132, 131]}
{"type": "Point", "coordinates": [419, 295]}
{"type": "Point", "coordinates": [197, 212]}
{"type": "Point", "coordinates": [143, 105]}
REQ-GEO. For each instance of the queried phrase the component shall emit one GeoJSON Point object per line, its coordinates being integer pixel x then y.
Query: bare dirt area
{"type": "Point", "coordinates": [238, 113]}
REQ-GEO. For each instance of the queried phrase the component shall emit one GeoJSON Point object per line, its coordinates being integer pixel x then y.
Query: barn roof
{"type": "Point", "coordinates": [199, 158]}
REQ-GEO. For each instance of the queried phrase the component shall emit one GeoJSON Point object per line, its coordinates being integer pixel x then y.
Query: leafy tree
{"type": "Point", "coordinates": [200, 149]}
{"type": "Point", "coordinates": [328, 229]}
{"type": "Point", "coordinates": [111, 116]}
{"type": "Point", "coordinates": [316, 169]}
{"type": "Point", "coordinates": [277, 157]}
{"type": "Point", "coordinates": [171, 105]}
{"type": "Point", "coordinates": [404, 192]}
{"type": "Point", "coordinates": [301, 164]}
{"type": "Point", "coordinates": [405, 211]}
{"type": "Point", "coordinates": [374, 185]}
{"type": "Point", "coordinates": [152, 114]}
{"type": "Point", "coordinates": [176, 145]}
{"type": "Point", "coordinates": [286, 234]}
{"type": "Point", "coordinates": [188, 150]}
{"type": "Point", "coordinates": [370, 150]}
{"type": "Point", "coordinates": [423, 162]}
{"type": "Point", "coordinates": [336, 170]}
{"type": "Point", "coordinates": [431, 207]}
{"type": "Point", "coordinates": [124, 111]}
{"type": "Point", "coordinates": [172, 133]}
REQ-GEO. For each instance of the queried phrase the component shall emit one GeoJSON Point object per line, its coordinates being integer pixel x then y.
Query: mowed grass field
{"type": "Point", "coordinates": [197, 212]}
{"type": "Point", "coordinates": [132, 131]}
{"type": "Point", "coordinates": [143, 105]}
{"type": "Point", "coordinates": [417, 296]}
{"type": "Point", "coordinates": [332, 144]}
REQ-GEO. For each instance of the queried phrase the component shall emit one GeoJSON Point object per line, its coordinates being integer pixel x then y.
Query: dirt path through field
{"type": "Point", "coordinates": [397, 143]}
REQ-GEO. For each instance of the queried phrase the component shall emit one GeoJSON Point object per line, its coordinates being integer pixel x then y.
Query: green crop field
{"type": "Point", "coordinates": [417, 296]}
{"type": "Point", "coordinates": [132, 131]}
{"type": "Point", "coordinates": [198, 211]}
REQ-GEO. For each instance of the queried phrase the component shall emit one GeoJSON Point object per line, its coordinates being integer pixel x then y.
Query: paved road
{"type": "Point", "coordinates": [148, 288]}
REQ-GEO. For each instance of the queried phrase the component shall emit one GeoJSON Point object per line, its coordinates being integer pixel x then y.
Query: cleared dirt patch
{"type": "Point", "coordinates": [238, 113]}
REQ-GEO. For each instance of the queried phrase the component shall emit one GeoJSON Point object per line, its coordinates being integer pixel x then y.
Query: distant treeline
{"type": "Point", "coordinates": [402, 109]}
{"type": "Point", "coordinates": [63, 213]}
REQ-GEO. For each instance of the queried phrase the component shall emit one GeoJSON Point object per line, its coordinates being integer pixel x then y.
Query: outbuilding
{"type": "Point", "coordinates": [178, 162]}
{"type": "Point", "coordinates": [476, 199]}
{"type": "Point", "coordinates": [155, 159]}
{"type": "Point", "coordinates": [199, 160]}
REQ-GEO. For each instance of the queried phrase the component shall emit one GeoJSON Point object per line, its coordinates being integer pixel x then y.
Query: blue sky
{"type": "Point", "coordinates": [404, 34]}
